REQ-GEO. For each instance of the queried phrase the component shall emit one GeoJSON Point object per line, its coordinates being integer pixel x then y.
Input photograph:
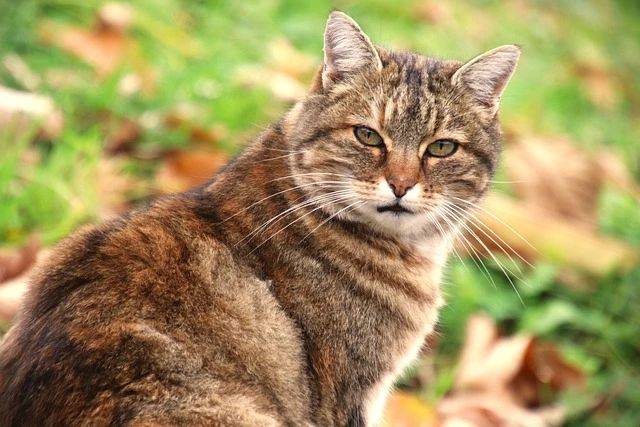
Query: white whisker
{"type": "Point", "coordinates": [490, 253]}
{"type": "Point", "coordinates": [313, 200]}
{"type": "Point", "coordinates": [354, 205]}
{"type": "Point", "coordinates": [299, 219]}
{"type": "Point", "coordinates": [475, 205]}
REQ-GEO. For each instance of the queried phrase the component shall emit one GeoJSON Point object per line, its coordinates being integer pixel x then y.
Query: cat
{"type": "Point", "coordinates": [291, 289]}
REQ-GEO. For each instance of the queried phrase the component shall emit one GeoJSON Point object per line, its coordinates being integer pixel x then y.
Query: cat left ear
{"type": "Point", "coordinates": [347, 50]}
{"type": "Point", "coordinates": [487, 75]}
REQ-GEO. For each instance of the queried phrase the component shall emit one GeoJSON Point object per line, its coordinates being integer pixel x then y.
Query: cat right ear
{"type": "Point", "coordinates": [487, 75]}
{"type": "Point", "coordinates": [347, 50]}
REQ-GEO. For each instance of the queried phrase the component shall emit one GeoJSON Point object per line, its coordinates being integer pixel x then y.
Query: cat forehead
{"type": "Point", "coordinates": [411, 97]}
{"type": "Point", "coordinates": [410, 84]}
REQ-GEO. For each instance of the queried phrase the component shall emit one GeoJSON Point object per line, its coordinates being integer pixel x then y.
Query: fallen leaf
{"type": "Point", "coordinates": [114, 187]}
{"type": "Point", "coordinates": [104, 46]}
{"type": "Point", "coordinates": [121, 134]}
{"type": "Point", "coordinates": [433, 12]}
{"type": "Point", "coordinates": [25, 112]}
{"type": "Point", "coordinates": [15, 262]}
{"type": "Point", "coordinates": [554, 216]}
{"type": "Point", "coordinates": [285, 58]}
{"type": "Point", "coordinates": [21, 72]}
{"type": "Point", "coordinates": [182, 170]}
{"type": "Point", "coordinates": [615, 172]}
{"type": "Point", "coordinates": [284, 74]}
{"type": "Point", "coordinates": [500, 380]}
{"type": "Point", "coordinates": [116, 16]}
{"type": "Point", "coordinates": [553, 175]}
{"type": "Point", "coordinates": [491, 409]}
{"type": "Point", "coordinates": [12, 291]}
{"type": "Point", "coordinates": [281, 85]}
{"type": "Point", "coordinates": [11, 294]}
{"type": "Point", "coordinates": [101, 48]}
{"type": "Point", "coordinates": [189, 117]}
{"type": "Point", "coordinates": [600, 85]}
{"type": "Point", "coordinates": [544, 365]}
{"type": "Point", "coordinates": [522, 230]}
{"type": "Point", "coordinates": [406, 410]}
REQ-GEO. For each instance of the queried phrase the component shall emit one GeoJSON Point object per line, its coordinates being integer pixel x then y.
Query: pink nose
{"type": "Point", "coordinates": [400, 184]}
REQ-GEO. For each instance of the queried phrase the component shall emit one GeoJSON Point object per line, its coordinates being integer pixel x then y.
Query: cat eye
{"type": "Point", "coordinates": [442, 148]}
{"type": "Point", "coordinates": [368, 136]}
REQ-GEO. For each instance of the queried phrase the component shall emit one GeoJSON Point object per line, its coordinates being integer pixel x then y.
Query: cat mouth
{"type": "Point", "coordinates": [395, 208]}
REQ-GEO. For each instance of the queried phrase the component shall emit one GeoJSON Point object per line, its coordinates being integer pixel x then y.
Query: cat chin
{"type": "Point", "coordinates": [405, 225]}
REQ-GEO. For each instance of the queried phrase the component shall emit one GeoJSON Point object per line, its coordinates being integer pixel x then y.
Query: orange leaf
{"type": "Point", "coordinates": [405, 410]}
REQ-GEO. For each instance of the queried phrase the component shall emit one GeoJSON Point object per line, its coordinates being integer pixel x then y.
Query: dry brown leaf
{"type": "Point", "coordinates": [189, 117]}
{"type": "Point", "coordinates": [558, 188]}
{"type": "Point", "coordinates": [283, 76]}
{"type": "Point", "coordinates": [481, 334]}
{"type": "Point", "coordinates": [553, 175]}
{"type": "Point", "coordinates": [121, 134]}
{"type": "Point", "coordinates": [500, 380]}
{"type": "Point", "coordinates": [15, 262]}
{"type": "Point", "coordinates": [22, 111]}
{"type": "Point", "coordinates": [285, 58]}
{"type": "Point", "coordinates": [11, 294]}
{"type": "Point", "coordinates": [406, 410]}
{"type": "Point", "coordinates": [116, 16]}
{"type": "Point", "coordinates": [12, 291]}
{"type": "Point", "coordinates": [281, 85]}
{"type": "Point", "coordinates": [21, 72]}
{"type": "Point", "coordinates": [114, 187]}
{"type": "Point", "coordinates": [615, 173]}
{"type": "Point", "coordinates": [488, 362]}
{"type": "Point", "coordinates": [533, 233]}
{"type": "Point", "coordinates": [103, 47]}
{"type": "Point", "coordinates": [433, 12]}
{"type": "Point", "coordinates": [600, 84]}
{"type": "Point", "coordinates": [182, 170]}
{"type": "Point", "coordinates": [543, 365]}
{"type": "Point", "coordinates": [494, 409]}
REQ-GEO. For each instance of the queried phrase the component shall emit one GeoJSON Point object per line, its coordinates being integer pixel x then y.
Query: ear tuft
{"type": "Point", "coordinates": [487, 75]}
{"type": "Point", "coordinates": [347, 49]}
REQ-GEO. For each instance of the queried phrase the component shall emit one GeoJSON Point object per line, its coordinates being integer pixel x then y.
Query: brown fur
{"type": "Point", "coordinates": [188, 312]}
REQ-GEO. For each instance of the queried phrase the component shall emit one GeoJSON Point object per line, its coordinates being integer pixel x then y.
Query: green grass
{"type": "Point", "coordinates": [191, 44]}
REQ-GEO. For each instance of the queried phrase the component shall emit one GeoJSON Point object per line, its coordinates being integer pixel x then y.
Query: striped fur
{"type": "Point", "coordinates": [262, 298]}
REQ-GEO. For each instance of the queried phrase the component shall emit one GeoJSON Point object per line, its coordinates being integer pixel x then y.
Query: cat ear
{"type": "Point", "coordinates": [487, 75]}
{"type": "Point", "coordinates": [347, 49]}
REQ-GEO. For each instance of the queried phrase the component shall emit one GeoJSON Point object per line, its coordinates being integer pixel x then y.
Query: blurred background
{"type": "Point", "coordinates": [106, 105]}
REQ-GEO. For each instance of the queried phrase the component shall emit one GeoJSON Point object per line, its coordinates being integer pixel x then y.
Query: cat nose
{"type": "Point", "coordinates": [401, 184]}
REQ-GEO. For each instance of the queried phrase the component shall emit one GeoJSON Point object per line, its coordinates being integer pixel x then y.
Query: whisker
{"type": "Point", "coordinates": [481, 225]}
{"type": "Point", "coordinates": [292, 209]}
{"type": "Point", "coordinates": [354, 205]}
{"type": "Point", "coordinates": [281, 192]}
{"type": "Point", "coordinates": [473, 254]}
{"type": "Point", "coordinates": [284, 151]}
{"type": "Point", "coordinates": [299, 219]}
{"type": "Point", "coordinates": [475, 205]}
{"type": "Point", "coordinates": [276, 158]}
{"type": "Point", "coordinates": [495, 259]}
{"type": "Point", "coordinates": [449, 238]}
{"type": "Point", "coordinates": [310, 174]}
{"type": "Point", "coordinates": [507, 182]}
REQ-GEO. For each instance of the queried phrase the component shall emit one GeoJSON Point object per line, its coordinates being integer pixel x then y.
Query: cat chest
{"type": "Point", "coordinates": [409, 350]}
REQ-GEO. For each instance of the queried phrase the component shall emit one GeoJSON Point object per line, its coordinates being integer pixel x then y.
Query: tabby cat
{"type": "Point", "coordinates": [291, 289]}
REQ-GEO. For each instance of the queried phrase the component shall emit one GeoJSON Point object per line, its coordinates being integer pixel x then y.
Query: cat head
{"type": "Point", "coordinates": [400, 141]}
